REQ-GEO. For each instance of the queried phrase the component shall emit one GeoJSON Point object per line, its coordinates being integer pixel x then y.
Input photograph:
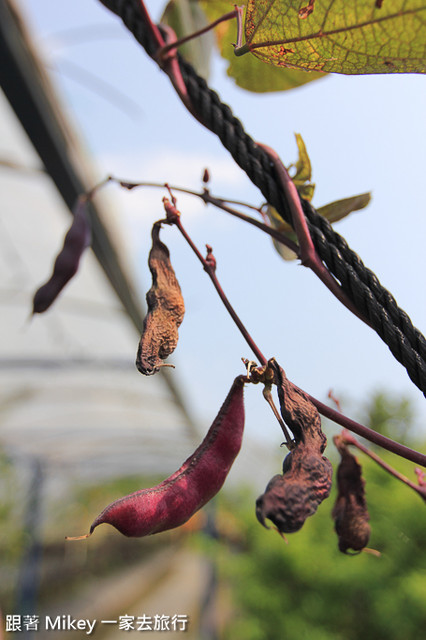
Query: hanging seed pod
{"type": "Point", "coordinates": [175, 500]}
{"type": "Point", "coordinates": [165, 310]}
{"type": "Point", "coordinates": [298, 412]}
{"type": "Point", "coordinates": [350, 512]}
{"type": "Point", "coordinates": [306, 479]}
{"type": "Point", "coordinates": [77, 239]}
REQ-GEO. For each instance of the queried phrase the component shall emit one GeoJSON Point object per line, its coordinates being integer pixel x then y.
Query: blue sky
{"type": "Point", "coordinates": [362, 133]}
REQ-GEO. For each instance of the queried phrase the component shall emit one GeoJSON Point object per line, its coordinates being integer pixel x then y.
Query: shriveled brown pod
{"type": "Point", "coordinates": [165, 310]}
{"type": "Point", "coordinates": [306, 479]}
{"type": "Point", "coordinates": [350, 511]}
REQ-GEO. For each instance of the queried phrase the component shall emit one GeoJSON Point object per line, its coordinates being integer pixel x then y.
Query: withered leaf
{"type": "Point", "coordinates": [165, 309]}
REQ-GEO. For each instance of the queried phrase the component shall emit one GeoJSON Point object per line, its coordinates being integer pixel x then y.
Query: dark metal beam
{"type": "Point", "coordinates": [32, 97]}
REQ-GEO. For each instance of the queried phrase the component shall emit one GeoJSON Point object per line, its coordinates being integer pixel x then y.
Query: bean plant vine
{"type": "Point", "coordinates": [305, 481]}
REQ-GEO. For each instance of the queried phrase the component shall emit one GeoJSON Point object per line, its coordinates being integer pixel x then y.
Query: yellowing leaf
{"type": "Point", "coordinates": [249, 72]}
{"type": "Point", "coordinates": [340, 36]}
{"type": "Point", "coordinates": [334, 212]}
{"type": "Point", "coordinates": [339, 209]}
{"type": "Point", "coordinates": [305, 188]}
{"type": "Point", "coordinates": [303, 173]}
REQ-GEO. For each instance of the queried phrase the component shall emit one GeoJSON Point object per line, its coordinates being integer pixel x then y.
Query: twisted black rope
{"type": "Point", "coordinates": [360, 284]}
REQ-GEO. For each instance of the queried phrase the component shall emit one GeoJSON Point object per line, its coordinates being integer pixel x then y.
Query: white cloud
{"type": "Point", "coordinates": [139, 208]}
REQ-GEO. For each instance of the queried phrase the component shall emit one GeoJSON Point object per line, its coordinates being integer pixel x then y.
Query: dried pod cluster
{"type": "Point", "coordinates": [165, 309]}
{"type": "Point", "coordinates": [306, 479]}
{"type": "Point", "coordinates": [172, 502]}
{"type": "Point", "coordinates": [350, 512]}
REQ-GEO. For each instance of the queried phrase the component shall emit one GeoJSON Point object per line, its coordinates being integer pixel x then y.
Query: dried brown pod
{"type": "Point", "coordinates": [298, 412]}
{"type": "Point", "coordinates": [165, 310]}
{"type": "Point", "coordinates": [306, 479]}
{"type": "Point", "coordinates": [350, 512]}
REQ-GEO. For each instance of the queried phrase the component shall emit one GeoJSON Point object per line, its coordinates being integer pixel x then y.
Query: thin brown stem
{"type": "Point", "coordinates": [220, 203]}
{"type": "Point", "coordinates": [369, 434]}
{"type": "Point", "coordinates": [325, 410]}
{"type": "Point", "coordinates": [268, 397]}
{"type": "Point", "coordinates": [270, 231]}
{"type": "Point", "coordinates": [170, 66]}
{"type": "Point", "coordinates": [162, 53]}
{"type": "Point", "coordinates": [174, 73]}
{"type": "Point", "coordinates": [155, 32]}
{"type": "Point", "coordinates": [349, 439]}
{"type": "Point", "coordinates": [240, 12]}
{"type": "Point", "coordinates": [212, 275]}
{"type": "Point", "coordinates": [339, 418]}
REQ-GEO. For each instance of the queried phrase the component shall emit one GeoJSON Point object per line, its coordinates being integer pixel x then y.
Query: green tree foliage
{"type": "Point", "coordinates": [393, 417]}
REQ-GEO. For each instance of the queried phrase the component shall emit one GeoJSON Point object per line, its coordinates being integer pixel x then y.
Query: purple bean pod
{"type": "Point", "coordinates": [77, 239]}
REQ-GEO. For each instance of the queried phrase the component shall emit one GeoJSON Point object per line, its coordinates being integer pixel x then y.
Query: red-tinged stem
{"type": "Point", "coordinates": [349, 439]}
{"type": "Point", "coordinates": [335, 400]}
{"type": "Point", "coordinates": [369, 434]}
{"type": "Point", "coordinates": [170, 66]}
{"type": "Point", "coordinates": [165, 55]}
{"type": "Point", "coordinates": [308, 254]}
{"type": "Point", "coordinates": [328, 412]}
{"type": "Point", "coordinates": [154, 30]}
{"type": "Point", "coordinates": [325, 410]}
{"type": "Point", "coordinates": [227, 16]}
{"type": "Point", "coordinates": [212, 275]}
{"type": "Point", "coordinates": [239, 44]}
{"type": "Point", "coordinates": [240, 11]}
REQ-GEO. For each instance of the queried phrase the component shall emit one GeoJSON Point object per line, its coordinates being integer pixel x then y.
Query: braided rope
{"type": "Point", "coordinates": [361, 285]}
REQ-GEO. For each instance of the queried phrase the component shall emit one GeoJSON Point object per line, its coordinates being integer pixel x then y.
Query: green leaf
{"type": "Point", "coordinates": [334, 211]}
{"type": "Point", "coordinates": [340, 36]}
{"type": "Point", "coordinates": [186, 17]}
{"type": "Point", "coordinates": [339, 209]}
{"type": "Point", "coordinates": [302, 179]}
{"type": "Point", "coordinates": [249, 72]}
{"type": "Point", "coordinates": [303, 164]}
{"type": "Point", "coordinates": [303, 175]}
